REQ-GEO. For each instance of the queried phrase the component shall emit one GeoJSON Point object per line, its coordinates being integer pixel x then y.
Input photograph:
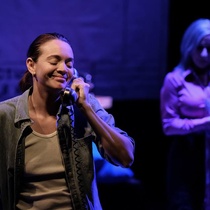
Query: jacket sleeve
{"type": "Point", "coordinates": [109, 119]}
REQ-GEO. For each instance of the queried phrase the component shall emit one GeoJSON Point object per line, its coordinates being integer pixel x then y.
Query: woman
{"type": "Point", "coordinates": [185, 113]}
{"type": "Point", "coordinates": [46, 159]}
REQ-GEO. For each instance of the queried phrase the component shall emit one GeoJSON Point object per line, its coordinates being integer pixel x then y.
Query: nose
{"type": "Point", "coordinates": [62, 68]}
{"type": "Point", "coordinates": [204, 52]}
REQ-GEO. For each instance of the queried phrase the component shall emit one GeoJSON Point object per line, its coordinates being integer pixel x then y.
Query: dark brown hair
{"type": "Point", "coordinates": [34, 52]}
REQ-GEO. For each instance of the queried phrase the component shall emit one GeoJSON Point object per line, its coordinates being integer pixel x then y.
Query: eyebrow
{"type": "Point", "coordinates": [58, 57]}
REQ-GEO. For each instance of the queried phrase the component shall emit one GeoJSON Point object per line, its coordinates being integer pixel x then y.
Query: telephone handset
{"type": "Point", "coordinates": [68, 95]}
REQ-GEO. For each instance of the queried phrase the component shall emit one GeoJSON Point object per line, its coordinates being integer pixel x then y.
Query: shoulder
{"type": "Point", "coordinates": [176, 77]}
{"type": "Point", "coordinates": [14, 105]}
{"type": "Point", "coordinates": [7, 111]}
{"type": "Point", "coordinates": [8, 104]}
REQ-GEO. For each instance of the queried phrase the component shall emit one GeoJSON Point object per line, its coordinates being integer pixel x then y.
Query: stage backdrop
{"type": "Point", "coordinates": [121, 43]}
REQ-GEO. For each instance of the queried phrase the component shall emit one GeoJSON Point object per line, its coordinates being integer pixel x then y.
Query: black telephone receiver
{"type": "Point", "coordinates": [68, 95]}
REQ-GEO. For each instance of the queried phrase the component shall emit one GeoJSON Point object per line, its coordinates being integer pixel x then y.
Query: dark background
{"type": "Point", "coordinates": [127, 46]}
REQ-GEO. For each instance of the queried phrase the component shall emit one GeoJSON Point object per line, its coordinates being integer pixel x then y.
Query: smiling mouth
{"type": "Point", "coordinates": [59, 78]}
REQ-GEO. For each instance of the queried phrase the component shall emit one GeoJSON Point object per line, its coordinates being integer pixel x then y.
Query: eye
{"type": "Point", "coordinates": [208, 49]}
{"type": "Point", "coordinates": [200, 48]}
{"type": "Point", "coordinates": [53, 63]}
{"type": "Point", "coordinates": [69, 64]}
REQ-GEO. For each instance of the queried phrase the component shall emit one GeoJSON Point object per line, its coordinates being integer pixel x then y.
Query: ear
{"type": "Point", "coordinates": [30, 65]}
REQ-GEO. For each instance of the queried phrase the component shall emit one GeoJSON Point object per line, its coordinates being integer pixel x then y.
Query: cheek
{"type": "Point", "coordinates": [201, 62]}
{"type": "Point", "coordinates": [195, 56]}
{"type": "Point", "coordinates": [70, 74]}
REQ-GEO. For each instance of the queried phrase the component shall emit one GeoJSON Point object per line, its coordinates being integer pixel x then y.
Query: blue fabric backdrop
{"type": "Point", "coordinates": [122, 44]}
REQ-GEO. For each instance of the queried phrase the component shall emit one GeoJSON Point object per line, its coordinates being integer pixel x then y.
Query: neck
{"type": "Point", "coordinates": [43, 107]}
{"type": "Point", "coordinates": [202, 78]}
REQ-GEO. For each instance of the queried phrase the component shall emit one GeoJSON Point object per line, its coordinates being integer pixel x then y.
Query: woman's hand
{"type": "Point", "coordinates": [82, 89]}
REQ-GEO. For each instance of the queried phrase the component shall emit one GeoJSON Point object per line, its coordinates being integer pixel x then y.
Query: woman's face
{"type": "Point", "coordinates": [201, 55]}
{"type": "Point", "coordinates": [54, 67]}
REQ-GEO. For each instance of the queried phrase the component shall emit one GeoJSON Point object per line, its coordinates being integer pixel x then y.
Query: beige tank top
{"type": "Point", "coordinates": [44, 184]}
